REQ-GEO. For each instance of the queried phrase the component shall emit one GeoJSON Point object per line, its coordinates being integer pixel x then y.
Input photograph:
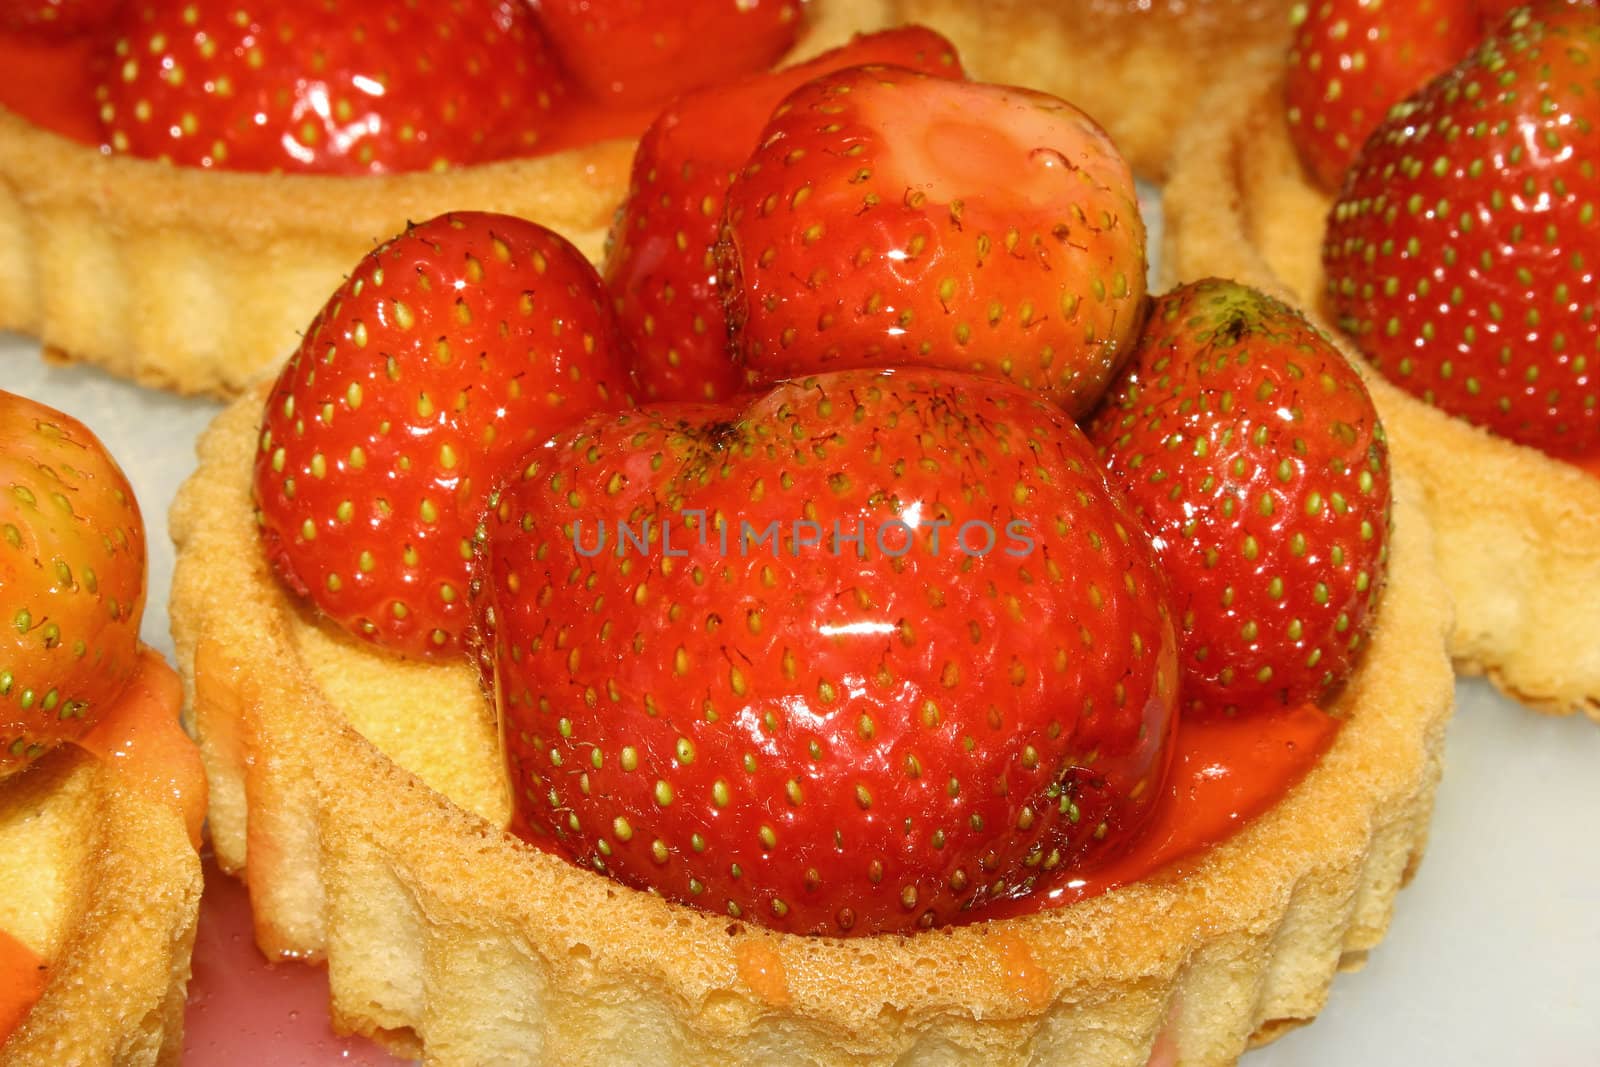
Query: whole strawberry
{"type": "Point", "coordinates": [1352, 60]}
{"type": "Point", "coordinates": [1252, 451]}
{"type": "Point", "coordinates": [1461, 254]}
{"type": "Point", "coordinates": [334, 86]}
{"type": "Point", "coordinates": [72, 580]}
{"type": "Point", "coordinates": [659, 264]}
{"type": "Point", "coordinates": [894, 218]}
{"type": "Point", "coordinates": [449, 351]}
{"type": "Point", "coordinates": [643, 52]}
{"type": "Point", "coordinates": [55, 18]}
{"type": "Point", "coordinates": [861, 654]}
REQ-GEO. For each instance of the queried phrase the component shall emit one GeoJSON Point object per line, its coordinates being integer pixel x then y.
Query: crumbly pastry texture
{"type": "Point", "coordinates": [1517, 533]}
{"type": "Point", "coordinates": [200, 281]}
{"type": "Point", "coordinates": [363, 798]}
{"type": "Point", "coordinates": [102, 883]}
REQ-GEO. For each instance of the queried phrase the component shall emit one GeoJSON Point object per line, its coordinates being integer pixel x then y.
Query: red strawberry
{"type": "Point", "coordinates": [72, 580]}
{"type": "Point", "coordinates": [446, 354]}
{"type": "Point", "coordinates": [330, 87]}
{"type": "Point", "coordinates": [1252, 450]}
{"type": "Point", "coordinates": [55, 18]}
{"type": "Point", "coordinates": [635, 52]}
{"type": "Point", "coordinates": [895, 218]}
{"type": "Point", "coordinates": [798, 711]}
{"type": "Point", "coordinates": [1461, 255]}
{"type": "Point", "coordinates": [1352, 60]}
{"type": "Point", "coordinates": [659, 265]}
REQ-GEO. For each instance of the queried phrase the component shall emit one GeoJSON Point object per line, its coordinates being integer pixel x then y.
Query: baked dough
{"type": "Point", "coordinates": [1132, 64]}
{"type": "Point", "coordinates": [100, 881]}
{"type": "Point", "coordinates": [364, 798]}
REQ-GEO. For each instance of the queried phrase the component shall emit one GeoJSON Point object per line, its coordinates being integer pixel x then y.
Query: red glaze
{"type": "Point", "coordinates": [633, 52]}
{"type": "Point", "coordinates": [140, 736]}
{"type": "Point", "coordinates": [54, 18]}
{"type": "Point", "coordinates": [1225, 772]}
{"type": "Point", "coordinates": [51, 84]}
{"type": "Point", "coordinates": [23, 974]}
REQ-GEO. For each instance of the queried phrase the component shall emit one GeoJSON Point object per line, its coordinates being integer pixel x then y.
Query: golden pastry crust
{"type": "Point", "coordinates": [1518, 533]}
{"type": "Point", "coordinates": [1132, 64]}
{"type": "Point", "coordinates": [102, 882]}
{"type": "Point", "coordinates": [200, 281]}
{"type": "Point", "coordinates": [445, 935]}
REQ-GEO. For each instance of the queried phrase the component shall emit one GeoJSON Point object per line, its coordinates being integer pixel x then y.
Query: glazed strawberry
{"type": "Point", "coordinates": [72, 580]}
{"type": "Point", "coordinates": [635, 52]}
{"type": "Point", "coordinates": [331, 87]}
{"type": "Point", "coordinates": [891, 218]}
{"type": "Point", "coordinates": [759, 691]}
{"type": "Point", "coordinates": [55, 18]}
{"type": "Point", "coordinates": [659, 265]}
{"type": "Point", "coordinates": [446, 354]}
{"type": "Point", "coordinates": [1461, 255]}
{"type": "Point", "coordinates": [1252, 450]}
{"type": "Point", "coordinates": [1352, 60]}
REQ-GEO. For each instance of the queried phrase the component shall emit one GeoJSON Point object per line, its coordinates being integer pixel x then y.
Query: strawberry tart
{"type": "Point", "coordinates": [128, 240]}
{"type": "Point", "coordinates": [101, 794]}
{"type": "Point", "coordinates": [868, 706]}
{"type": "Point", "coordinates": [134, 243]}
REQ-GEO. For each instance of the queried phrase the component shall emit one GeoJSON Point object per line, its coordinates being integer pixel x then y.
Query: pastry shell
{"type": "Point", "coordinates": [101, 881]}
{"type": "Point", "coordinates": [363, 799]}
{"type": "Point", "coordinates": [1517, 533]}
{"type": "Point", "coordinates": [199, 281]}
{"type": "Point", "coordinates": [1132, 64]}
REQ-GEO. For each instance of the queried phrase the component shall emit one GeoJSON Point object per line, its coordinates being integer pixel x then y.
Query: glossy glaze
{"type": "Point", "coordinates": [1224, 774]}
{"type": "Point", "coordinates": [141, 738]}
{"type": "Point", "coordinates": [52, 85]}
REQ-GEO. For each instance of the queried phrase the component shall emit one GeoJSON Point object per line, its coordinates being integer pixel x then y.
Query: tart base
{"type": "Point", "coordinates": [101, 882]}
{"type": "Point", "coordinates": [449, 938]}
{"type": "Point", "coordinates": [200, 281]}
{"type": "Point", "coordinates": [1517, 533]}
{"type": "Point", "coordinates": [1132, 64]}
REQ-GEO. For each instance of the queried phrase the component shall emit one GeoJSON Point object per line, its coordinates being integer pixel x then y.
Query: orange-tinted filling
{"type": "Point", "coordinates": [51, 84]}
{"type": "Point", "coordinates": [22, 978]}
{"type": "Point", "coordinates": [141, 738]}
{"type": "Point", "coordinates": [1224, 773]}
